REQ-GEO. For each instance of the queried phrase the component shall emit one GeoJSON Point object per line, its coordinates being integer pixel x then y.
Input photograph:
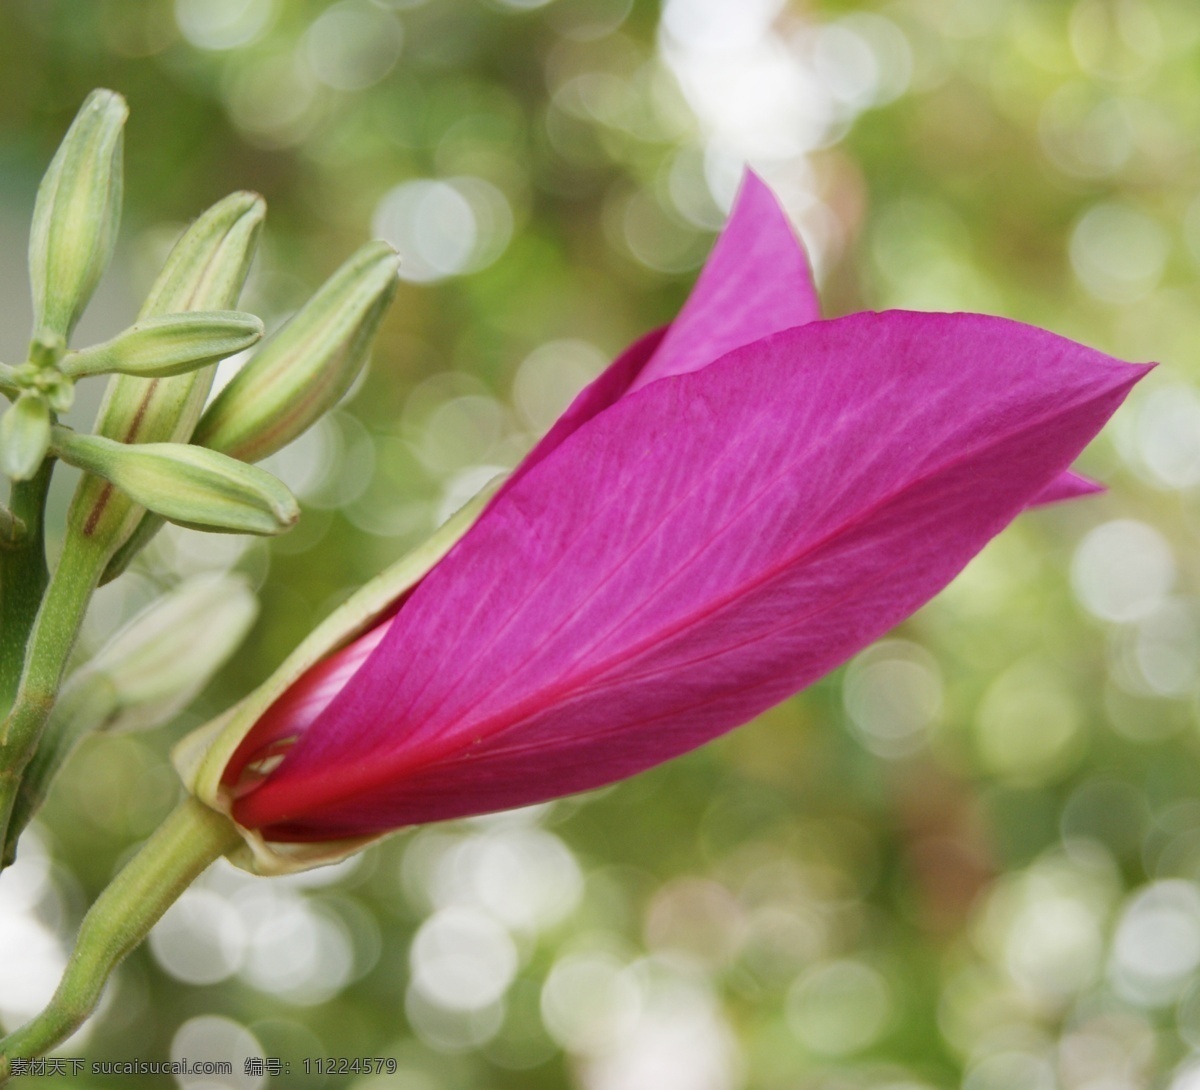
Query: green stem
{"type": "Point", "coordinates": [50, 643]}
{"type": "Point", "coordinates": [191, 838]}
{"type": "Point", "coordinates": [12, 529]}
{"type": "Point", "coordinates": [84, 705]}
{"type": "Point", "coordinates": [23, 576]}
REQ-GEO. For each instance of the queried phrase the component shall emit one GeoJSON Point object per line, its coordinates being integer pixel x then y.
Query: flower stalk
{"type": "Point", "coordinates": [80, 710]}
{"type": "Point", "coordinates": [147, 673]}
{"type": "Point", "coordinates": [182, 848]}
{"type": "Point", "coordinates": [50, 644]}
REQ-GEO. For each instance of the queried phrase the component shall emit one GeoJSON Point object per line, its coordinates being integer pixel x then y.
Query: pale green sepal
{"type": "Point", "coordinates": [186, 485]}
{"type": "Point", "coordinates": [172, 344]}
{"type": "Point", "coordinates": [77, 213]}
{"type": "Point", "coordinates": [302, 371]}
{"type": "Point", "coordinates": [24, 436]}
{"type": "Point", "coordinates": [201, 756]}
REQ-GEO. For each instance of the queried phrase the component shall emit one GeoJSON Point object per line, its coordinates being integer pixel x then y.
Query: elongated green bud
{"type": "Point", "coordinates": [185, 484]}
{"type": "Point", "coordinates": [204, 272]}
{"type": "Point", "coordinates": [207, 267]}
{"type": "Point", "coordinates": [24, 436]}
{"type": "Point", "coordinates": [164, 656]}
{"type": "Point", "coordinates": [302, 371]}
{"type": "Point", "coordinates": [143, 677]}
{"type": "Point", "coordinates": [170, 345]}
{"type": "Point", "coordinates": [76, 215]}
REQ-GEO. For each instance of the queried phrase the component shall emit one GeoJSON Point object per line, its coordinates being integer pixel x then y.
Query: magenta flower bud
{"type": "Point", "coordinates": [742, 502]}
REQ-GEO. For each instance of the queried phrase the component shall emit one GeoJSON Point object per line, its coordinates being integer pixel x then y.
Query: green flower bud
{"type": "Point", "coordinates": [207, 268]}
{"type": "Point", "coordinates": [159, 661]}
{"type": "Point", "coordinates": [76, 215]}
{"type": "Point", "coordinates": [24, 436]}
{"type": "Point", "coordinates": [204, 272]}
{"type": "Point", "coordinates": [302, 371]}
{"type": "Point", "coordinates": [170, 345]}
{"type": "Point", "coordinates": [193, 487]}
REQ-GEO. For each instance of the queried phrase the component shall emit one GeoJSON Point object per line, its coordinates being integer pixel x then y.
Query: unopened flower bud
{"type": "Point", "coordinates": [143, 677]}
{"type": "Point", "coordinates": [184, 484]}
{"type": "Point", "coordinates": [205, 271]}
{"type": "Point", "coordinates": [76, 215]}
{"type": "Point", "coordinates": [304, 369]}
{"type": "Point", "coordinates": [166, 654]}
{"type": "Point", "coordinates": [169, 345]}
{"type": "Point", "coordinates": [24, 436]}
{"type": "Point", "coordinates": [207, 267]}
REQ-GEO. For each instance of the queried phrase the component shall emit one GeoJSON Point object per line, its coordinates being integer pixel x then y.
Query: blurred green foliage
{"type": "Point", "coordinates": [970, 858]}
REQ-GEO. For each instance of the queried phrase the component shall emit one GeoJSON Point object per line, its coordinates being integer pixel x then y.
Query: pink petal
{"type": "Point", "coordinates": [597, 396]}
{"type": "Point", "coordinates": [1066, 486]}
{"type": "Point", "coordinates": [755, 282]}
{"type": "Point", "coordinates": [694, 555]}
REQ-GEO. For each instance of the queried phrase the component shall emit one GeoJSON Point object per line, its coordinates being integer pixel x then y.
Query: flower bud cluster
{"type": "Point", "coordinates": [154, 456]}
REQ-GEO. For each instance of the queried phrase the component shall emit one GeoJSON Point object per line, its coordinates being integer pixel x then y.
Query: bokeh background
{"type": "Point", "coordinates": [969, 858]}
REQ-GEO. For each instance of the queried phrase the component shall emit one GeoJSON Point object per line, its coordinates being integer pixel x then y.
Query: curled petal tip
{"type": "Point", "coordinates": [1067, 486]}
